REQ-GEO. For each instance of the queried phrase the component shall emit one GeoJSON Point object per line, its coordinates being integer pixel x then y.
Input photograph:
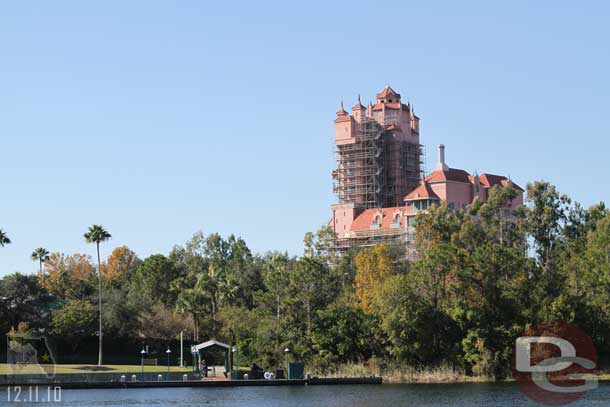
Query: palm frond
{"type": "Point", "coordinates": [4, 240]}
{"type": "Point", "coordinates": [97, 234]}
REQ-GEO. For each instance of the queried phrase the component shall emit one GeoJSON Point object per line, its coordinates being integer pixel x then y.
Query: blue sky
{"type": "Point", "coordinates": [158, 119]}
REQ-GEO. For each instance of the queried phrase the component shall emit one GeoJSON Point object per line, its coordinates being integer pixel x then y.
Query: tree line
{"type": "Point", "coordinates": [480, 281]}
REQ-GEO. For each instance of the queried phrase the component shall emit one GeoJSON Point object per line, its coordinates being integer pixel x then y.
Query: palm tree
{"type": "Point", "coordinates": [97, 234]}
{"type": "Point", "coordinates": [41, 255]}
{"type": "Point", "coordinates": [4, 240]}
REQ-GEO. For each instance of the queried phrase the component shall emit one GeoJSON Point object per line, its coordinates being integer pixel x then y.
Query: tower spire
{"type": "Point", "coordinates": [341, 111]}
{"type": "Point", "coordinates": [358, 104]}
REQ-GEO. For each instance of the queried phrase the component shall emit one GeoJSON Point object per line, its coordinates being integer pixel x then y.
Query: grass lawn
{"type": "Point", "coordinates": [38, 369]}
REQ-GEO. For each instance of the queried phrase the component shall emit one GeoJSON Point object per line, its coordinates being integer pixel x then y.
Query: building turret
{"type": "Point", "coordinates": [388, 95]}
{"type": "Point", "coordinates": [358, 110]}
{"type": "Point", "coordinates": [341, 111]}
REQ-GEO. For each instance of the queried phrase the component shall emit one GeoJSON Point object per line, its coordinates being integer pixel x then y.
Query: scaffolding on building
{"type": "Point", "coordinates": [404, 171]}
{"type": "Point", "coordinates": [359, 177]}
{"type": "Point", "coordinates": [378, 169]}
{"type": "Point", "coordinates": [401, 236]}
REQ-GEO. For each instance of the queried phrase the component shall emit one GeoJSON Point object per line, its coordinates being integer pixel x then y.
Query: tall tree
{"type": "Point", "coordinates": [373, 266]}
{"type": "Point", "coordinates": [191, 264]}
{"type": "Point", "coordinates": [153, 279]}
{"type": "Point", "coordinates": [545, 217]}
{"type": "Point", "coordinates": [40, 255]}
{"type": "Point", "coordinates": [97, 234]}
{"type": "Point", "coordinates": [69, 276]}
{"type": "Point", "coordinates": [311, 288]}
{"type": "Point", "coordinates": [244, 273]}
{"type": "Point", "coordinates": [342, 333]}
{"type": "Point", "coordinates": [318, 244]}
{"type": "Point", "coordinates": [120, 265]}
{"type": "Point", "coordinates": [4, 240]}
{"type": "Point", "coordinates": [418, 332]}
{"type": "Point", "coordinates": [276, 276]}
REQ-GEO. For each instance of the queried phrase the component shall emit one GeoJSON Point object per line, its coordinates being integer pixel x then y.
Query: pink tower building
{"type": "Point", "coordinates": [378, 152]}
{"type": "Point", "coordinates": [379, 182]}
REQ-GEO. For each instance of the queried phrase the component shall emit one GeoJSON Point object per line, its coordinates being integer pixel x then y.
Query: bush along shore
{"type": "Point", "coordinates": [482, 278]}
{"type": "Point", "coordinates": [403, 374]}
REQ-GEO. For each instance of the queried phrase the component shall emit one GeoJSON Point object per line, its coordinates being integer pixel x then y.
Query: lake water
{"type": "Point", "coordinates": [454, 395]}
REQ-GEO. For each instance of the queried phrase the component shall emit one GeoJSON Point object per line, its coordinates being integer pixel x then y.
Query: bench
{"type": "Point", "coordinates": [150, 362]}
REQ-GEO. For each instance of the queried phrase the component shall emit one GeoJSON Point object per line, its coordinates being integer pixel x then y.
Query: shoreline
{"type": "Point", "coordinates": [410, 375]}
{"type": "Point", "coordinates": [329, 381]}
{"type": "Point", "coordinates": [203, 383]}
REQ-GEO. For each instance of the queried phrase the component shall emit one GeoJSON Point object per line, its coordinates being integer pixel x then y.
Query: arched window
{"type": "Point", "coordinates": [397, 218]}
{"type": "Point", "coordinates": [377, 220]}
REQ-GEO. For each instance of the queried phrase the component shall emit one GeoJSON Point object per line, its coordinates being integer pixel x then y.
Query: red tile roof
{"type": "Point", "coordinates": [358, 105]}
{"type": "Point", "coordinates": [341, 111]}
{"type": "Point", "coordinates": [513, 185]}
{"type": "Point", "coordinates": [489, 180]}
{"type": "Point", "coordinates": [387, 91]}
{"type": "Point", "coordinates": [452, 174]}
{"type": "Point", "coordinates": [365, 219]}
{"type": "Point", "coordinates": [423, 191]}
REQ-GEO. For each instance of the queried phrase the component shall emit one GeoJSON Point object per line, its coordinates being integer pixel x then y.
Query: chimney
{"type": "Point", "coordinates": [441, 166]}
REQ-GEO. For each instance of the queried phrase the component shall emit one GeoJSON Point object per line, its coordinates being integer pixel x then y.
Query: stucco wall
{"type": "Point", "coordinates": [342, 219]}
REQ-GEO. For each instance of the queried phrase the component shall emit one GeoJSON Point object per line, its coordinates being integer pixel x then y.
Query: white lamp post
{"type": "Point", "coordinates": [236, 359]}
{"type": "Point", "coordinates": [142, 352]}
{"type": "Point", "coordinates": [286, 352]}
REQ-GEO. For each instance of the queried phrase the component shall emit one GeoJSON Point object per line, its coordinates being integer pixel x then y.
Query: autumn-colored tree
{"type": "Point", "coordinates": [63, 274]}
{"type": "Point", "coordinates": [121, 262]}
{"type": "Point", "coordinates": [373, 266]}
